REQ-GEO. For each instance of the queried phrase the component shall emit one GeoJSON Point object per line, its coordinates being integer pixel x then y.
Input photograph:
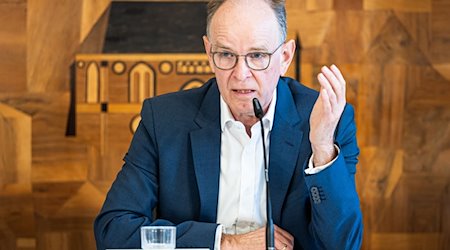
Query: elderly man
{"type": "Point", "coordinates": [196, 159]}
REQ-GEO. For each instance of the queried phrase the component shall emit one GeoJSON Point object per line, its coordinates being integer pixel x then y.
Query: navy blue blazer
{"type": "Point", "coordinates": [171, 174]}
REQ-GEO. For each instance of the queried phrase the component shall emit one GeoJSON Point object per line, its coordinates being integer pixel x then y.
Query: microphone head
{"type": "Point", "coordinates": [257, 108]}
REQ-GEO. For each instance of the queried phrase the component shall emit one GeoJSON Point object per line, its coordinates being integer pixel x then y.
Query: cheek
{"type": "Point", "coordinates": [268, 80]}
{"type": "Point", "coordinates": [222, 81]}
{"type": "Point", "coordinates": [220, 85]}
{"type": "Point", "coordinates": [268, 83]}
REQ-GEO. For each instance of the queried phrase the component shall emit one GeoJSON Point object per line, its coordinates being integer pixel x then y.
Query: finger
{"type": "Point", "coordinates": [326, 85]}
{"type": "Point", "coordinates": [326, 101]}
{"type": "Point", "coordinates": [338, 74]}
{"type": "Point", "coordinates": [285, 233]}
{"type": "Point", "coordinates": [334, 82]}
{"type": "Point", "coordinates": [283, 244]}
{"type": "Point", "coordinates": [283, 239]}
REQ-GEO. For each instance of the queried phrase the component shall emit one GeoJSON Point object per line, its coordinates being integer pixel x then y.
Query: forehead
{"type": "Point", "coordinates": [241, 24]}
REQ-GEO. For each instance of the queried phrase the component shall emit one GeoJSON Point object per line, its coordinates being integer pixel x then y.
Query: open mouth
{"type": "Point", "coordinates": [243, 91]}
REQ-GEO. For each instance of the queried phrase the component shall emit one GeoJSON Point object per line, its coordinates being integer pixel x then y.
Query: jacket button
{"type": "Point", "coordinates": [315, 195]}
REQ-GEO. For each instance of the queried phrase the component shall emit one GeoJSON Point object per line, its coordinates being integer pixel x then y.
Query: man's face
{"type": "Point", "coordinates": [242, 27]}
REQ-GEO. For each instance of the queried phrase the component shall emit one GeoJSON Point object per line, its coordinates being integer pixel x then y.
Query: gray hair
{"type": "Point", "coordinates": [278, 7]}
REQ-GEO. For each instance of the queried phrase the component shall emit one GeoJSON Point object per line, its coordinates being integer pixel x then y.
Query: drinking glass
{"type": "Point", "coordinates": [158, 237]}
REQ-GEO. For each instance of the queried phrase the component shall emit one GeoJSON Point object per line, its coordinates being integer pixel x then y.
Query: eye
{"type": "Point", "coordinates": [225, 54]}
{"type": "Point", "coordinates": [257, 55]}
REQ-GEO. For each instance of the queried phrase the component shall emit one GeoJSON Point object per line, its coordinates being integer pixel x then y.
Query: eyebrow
{"type": "Point", "coordinates": [259, 49]}
{"type": "Point", "coordinates": [262, 48]}
{"type": "Point", "coordinates": [219, 46]}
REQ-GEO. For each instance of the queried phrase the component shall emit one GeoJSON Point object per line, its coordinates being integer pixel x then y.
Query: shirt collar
{"type": "Point", "coordinates": [226, 116]}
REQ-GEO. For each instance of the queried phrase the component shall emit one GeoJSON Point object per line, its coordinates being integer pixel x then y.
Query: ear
{"type": "Point", "coordinates": [287, 55]}
{"type": "Point", "coordinates": [207, 45]}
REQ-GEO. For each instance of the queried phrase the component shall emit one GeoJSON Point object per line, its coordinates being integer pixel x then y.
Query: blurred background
{"type": "Point", "coordinates": [73, 75]}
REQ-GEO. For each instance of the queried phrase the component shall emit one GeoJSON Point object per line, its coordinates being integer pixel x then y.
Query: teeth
{"type": "Point", "coordinates": [244, 91]}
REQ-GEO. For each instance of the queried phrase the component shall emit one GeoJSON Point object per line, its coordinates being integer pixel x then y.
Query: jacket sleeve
{"type": "Point", "coordinates": [336, 219]}
{"type": "Point", "coordinates": [133, 197]}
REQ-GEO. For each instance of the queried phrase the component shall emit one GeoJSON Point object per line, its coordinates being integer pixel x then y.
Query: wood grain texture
{"type": "Point", "coordinates": [13, 46]}
{"type": "Point", "coordinates": [440, 31]}
{"type": "Point", "coordinates": [15, 146]}
{"type": "Point", "coordinates": [348, 4]}
{"type": "Point", "coordinates": [94, 41]}
{"type": "Point", "coordinates": [400, 5]}
{"type": "Point", "coordinates": [107, 131]}
{"type": "Point", "coordinates": [399, 86]}
{"type": "Point", "coordinates": [90, 14]}
{"type": "Point", "coordinates": [16, 209]}
{"type": "Point", "coordinates": [311, 26]}
{"type": "Point", "coordinates": [413, 241]}
{"type": "Point", "coordinates": [53, 34]}
{"type": "Point", "coordinates": [312, 5]}
{"type": "Point", "coordinates": [31, 216]}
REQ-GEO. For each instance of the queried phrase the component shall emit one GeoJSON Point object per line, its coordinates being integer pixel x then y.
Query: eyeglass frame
{"type": "Point", "coordinates": [245, 58]}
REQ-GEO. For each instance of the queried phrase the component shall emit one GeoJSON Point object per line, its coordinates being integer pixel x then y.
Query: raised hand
{"type": "Point", "coordinates": [326, 114]}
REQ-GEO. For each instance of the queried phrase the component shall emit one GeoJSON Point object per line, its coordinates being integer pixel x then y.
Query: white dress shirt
{"type": "Point", "coordinates": [242, 187]}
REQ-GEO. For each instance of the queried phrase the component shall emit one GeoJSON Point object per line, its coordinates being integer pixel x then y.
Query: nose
{"type": "Point", "coordinates": [241, 71]}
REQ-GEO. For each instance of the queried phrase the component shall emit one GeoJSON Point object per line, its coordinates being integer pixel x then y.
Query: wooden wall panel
{"type": "Point", "coordinates": [95, 39]}
{"type": "Point", "coordinates": [399, 85]}
{"type": "Point", "coordinates": [108, 81]}
{"type": "Point", "coordinates": [348, 4]}
{"type": "Point", "coordinates": [53, 37]}
{"type": "Point", "coordinates": [401, 5]}
{"type": "Point", "coordinates": [15, 141]}
{"type": "Point", "coordinates": [440, 35]}
{"type": "Point", "coordinates": [16, 209]}
{"type": "Point", "coordinates": [312, 5]}
{"type": "Point", "coordinates": [91, 12]}
{"type": "Point", "coordinates": [56, 208]}
{"type": "Point", "coordinates": [311, 27]}
{"type": "Point", "coordinates": [13, 46]}
{"type": "Point", "coordinates": [412, 241]}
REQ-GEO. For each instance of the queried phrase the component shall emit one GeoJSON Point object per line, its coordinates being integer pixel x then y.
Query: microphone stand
{"type": "Point", "coordinates": [270, 237]}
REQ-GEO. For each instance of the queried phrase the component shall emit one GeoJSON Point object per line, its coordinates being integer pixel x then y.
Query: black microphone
{"type": "Point", "coordinates": [270, 238]}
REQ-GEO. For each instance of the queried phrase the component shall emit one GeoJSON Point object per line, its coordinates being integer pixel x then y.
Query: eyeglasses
{"type": "Point", "coordinates": [225, 60]}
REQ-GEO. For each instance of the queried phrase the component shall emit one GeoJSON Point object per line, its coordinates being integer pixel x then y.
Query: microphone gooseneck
{"type": "Point", "coordinates": [270, 238]}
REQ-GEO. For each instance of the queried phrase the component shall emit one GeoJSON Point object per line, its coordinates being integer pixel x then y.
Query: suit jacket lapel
{"type": "Point", "coordinates": [285, 140]}
{"type": "Point", "coordinates": [205, 143]}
